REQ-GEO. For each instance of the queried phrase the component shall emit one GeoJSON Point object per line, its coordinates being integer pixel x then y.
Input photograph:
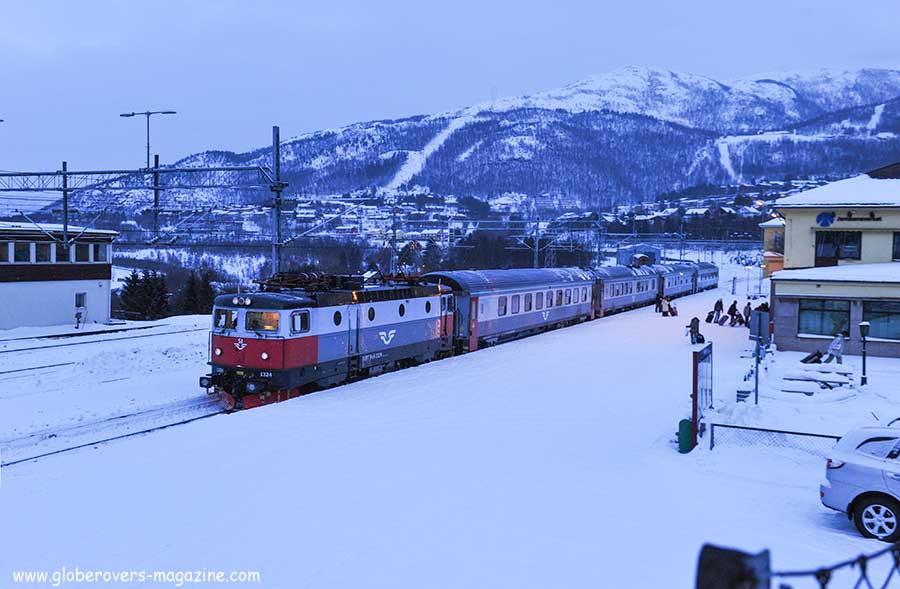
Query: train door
{"type": "Point", "coordinates": [473, 324]}
{"type": "Point", "coordinates": [598, 296]}
{"type": "Point", "coordinates": [353, 330]}
{"type": "Point", "coordinates": [694, 288]}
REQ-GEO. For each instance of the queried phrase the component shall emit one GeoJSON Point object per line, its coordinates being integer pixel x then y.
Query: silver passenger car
{"type": "Point", "coordinates": [862, 479]}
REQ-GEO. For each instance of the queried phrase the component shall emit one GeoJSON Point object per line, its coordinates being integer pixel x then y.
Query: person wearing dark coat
{"type": "Point", "coordinates": [733, 310]}
{"type": "Point", "coordinates": [747, 311]}
{"type": "Point", "coordinates": [658, 304]}
{"type": "Point", "coordinates": [694, 330]}
{"type": "Point", "coordinates": [718, 307]}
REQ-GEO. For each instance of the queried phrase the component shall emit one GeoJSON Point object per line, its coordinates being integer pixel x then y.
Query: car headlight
{"type": "Point", "coordinates": [218, 351]}
{"type": "Point", "coordinates": [264, 355]}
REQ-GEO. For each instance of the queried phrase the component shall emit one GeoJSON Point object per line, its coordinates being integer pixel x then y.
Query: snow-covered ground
{"type": "Point", "coordinates": [544, 462]}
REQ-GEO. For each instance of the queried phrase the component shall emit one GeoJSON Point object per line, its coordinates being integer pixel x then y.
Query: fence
{"type": "Point", "coordinates": [739, 435]}
{"type": "Point", "coordinates": [724, 568]}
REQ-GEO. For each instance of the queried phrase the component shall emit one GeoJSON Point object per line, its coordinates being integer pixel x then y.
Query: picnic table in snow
{"type": "Point", "coordinates": [809, 379]}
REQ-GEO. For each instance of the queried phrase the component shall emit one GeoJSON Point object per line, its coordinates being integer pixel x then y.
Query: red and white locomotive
{"type": "Point", "coordinates": [307, 331]}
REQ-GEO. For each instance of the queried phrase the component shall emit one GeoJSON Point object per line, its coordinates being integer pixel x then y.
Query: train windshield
{"type": "Point", "coordinates": [262, 321]}
{"type": "Point", "coordinates": [225, 319]}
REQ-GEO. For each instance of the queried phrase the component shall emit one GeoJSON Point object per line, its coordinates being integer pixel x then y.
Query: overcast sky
{"type": "Point", "coordinates": [232, 69]}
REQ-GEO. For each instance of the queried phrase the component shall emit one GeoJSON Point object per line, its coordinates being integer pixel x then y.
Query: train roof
{"type": "Point", "coordinates": [481, 281]}
{"type": "Point", "coordinates": [266, 300]}
{"type": "Point", "coordinates": [622, 271]}
{"type": "Point", "coordinates": [299, 298]}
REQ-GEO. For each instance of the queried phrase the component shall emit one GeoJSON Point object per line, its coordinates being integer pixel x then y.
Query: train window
{"type": "Point", "coordinates": [515, 304]}
{"type": "Point", "coordinates": [528, 302]}
{"type": "Point", "coordinates": [574, 295]}
{"type": "Point", "coordinates": [539, 301]}
{"type": "Point", "coordinates": [568, 296]}
{"type": "Point", "coordinates": [402, 309]}
{"type": "Point", "coordinates": [300, 321]}
{"type": "Point", "coordinates": [337, 317]}
{"type": "Point", "coordinates": [262, 321]}
{"type": "Point", "coordinates": [501, 306]}
{"type": "Point", "coordinates": [443, 303]}
{"type": "Point", "coordinates": [584, 294]}
{"type": "Point", "coordinates": [549, 298]}
{"type": "Point", "coordinates": [371, 313]}
{"type": "Point", "coordinates": [225, 319]}
{"type": "Point", "coordinates": [428, 306]}
{"type": "Point", "coordinates": [559, 298]}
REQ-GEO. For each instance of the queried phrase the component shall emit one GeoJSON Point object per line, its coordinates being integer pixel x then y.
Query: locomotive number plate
{"type": "Point", "coordinates": [265, 374]}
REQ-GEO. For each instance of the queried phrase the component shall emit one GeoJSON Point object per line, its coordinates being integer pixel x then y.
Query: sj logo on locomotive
{"type": "Point", "coordinates": [240, 344]}
{"type": "Point", "coordinates": [387, 337]}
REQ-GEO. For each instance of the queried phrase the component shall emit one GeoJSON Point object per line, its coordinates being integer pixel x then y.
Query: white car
{"type": "Point", "coordinates": [862, 479]}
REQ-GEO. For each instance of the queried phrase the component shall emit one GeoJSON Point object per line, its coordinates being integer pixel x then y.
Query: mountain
{"type": "Point", "coordinates": [622, 136]}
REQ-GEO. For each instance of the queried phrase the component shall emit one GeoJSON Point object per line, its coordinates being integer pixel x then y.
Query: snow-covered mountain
{"type": "Point", "coordinates": [624, 135]}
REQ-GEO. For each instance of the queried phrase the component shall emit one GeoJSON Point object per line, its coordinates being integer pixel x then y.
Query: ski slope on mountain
{"type": "Point", "coordinates": [545, 462]}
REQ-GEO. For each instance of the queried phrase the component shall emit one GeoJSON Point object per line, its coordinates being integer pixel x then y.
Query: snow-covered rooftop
{"type": "Point", "coordinates": [880, 188]}
{"type": "Point", "coordinates": [885, 272]}
{"type": "Point", "coordinates": [774, 222]}
{"type": "Point", "coordinates": [49, 227]}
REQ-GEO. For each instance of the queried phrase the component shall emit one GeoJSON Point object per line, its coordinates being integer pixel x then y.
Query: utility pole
{"type": "Point", "coordinates": [155, 195]}
{"type": "Point", "coordinates": [277, 187]}
{"type": "Point", "coordinates": [537, 243]}
{"type": "Point", "coordinates": [393, 265]}
{"type": "Point", "coordinates": [147, 114]}
{"type": "Point", "coordinates": [65, 193]}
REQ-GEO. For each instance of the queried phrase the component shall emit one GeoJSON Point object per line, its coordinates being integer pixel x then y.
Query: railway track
{"type": "Point", "coordinates": [103, 340]}
{"type": "Point", "coordinates": [50, 442]}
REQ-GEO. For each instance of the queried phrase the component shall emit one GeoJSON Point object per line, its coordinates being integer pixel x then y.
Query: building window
{"type": "Point", "coordinates": [837, 245]}
{"type": "Point", "coordinates": [21, 252]}
{"type": "Point", "coordinates": [4, 252]}
{"type": "Point", "coordinates": [501, 306]}
{"type": "Point", "coordinates": [81, 299]}
{"type": "Point", "coordinates": [62, 254]}
{"type": "Point", "coordinates": [823, 317]}
{"type": "Point", "coordinates": [884, 317]}
{"type": "Point", "coordinates": [82, 252]}
{"type": "Point", "coordinates": [539, 301]}
{"type": "Point", "coordinates": [528, 302]}
{"type": "Point", "coordinates": [42, 252]}
{"type": "Point", "coordinates": [515, 304]}
{"type": "Point", "coordinates": [100, 252]}
{"type": "Point", "coordinates": [896, 254]}
{"type": "Point", "coordinates": [300, 322]}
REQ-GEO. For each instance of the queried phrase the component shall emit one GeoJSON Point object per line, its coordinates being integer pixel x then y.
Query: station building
{"type": "Point", "coordinates": [42, 282]}
{"type": "Point", "coordinates": [841, 265]}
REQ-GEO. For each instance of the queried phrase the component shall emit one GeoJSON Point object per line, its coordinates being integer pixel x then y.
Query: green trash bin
{"type": "Point", "coordinates": [685, 436]}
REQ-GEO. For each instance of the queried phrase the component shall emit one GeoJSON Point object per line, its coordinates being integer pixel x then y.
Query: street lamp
{"type": "Point", "coordinates": [864, 333]}
{"type": "Point", "coordinates": [148, 114]}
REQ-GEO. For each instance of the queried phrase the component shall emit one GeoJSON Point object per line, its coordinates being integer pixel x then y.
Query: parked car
{"type": "Point", "coordinates": [862, 479]}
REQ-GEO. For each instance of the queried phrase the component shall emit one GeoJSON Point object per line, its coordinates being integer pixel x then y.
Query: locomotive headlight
{"type": "Point", "coordinates": [264, 355]}
{"type": "Point", "coordinates": [247, 301]}
{"type": "Point", "coordinates": [218, 351]}
{"type": "Point", "coordinates": [205, 382]}
{"type": "Point", "coordinates": [252, 387]}
{"type": "Point", "coordinates": [235, 301]}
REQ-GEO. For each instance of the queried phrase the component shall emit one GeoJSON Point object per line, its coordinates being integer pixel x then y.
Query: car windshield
{"type": "Point", "coordinates": [262, 321]}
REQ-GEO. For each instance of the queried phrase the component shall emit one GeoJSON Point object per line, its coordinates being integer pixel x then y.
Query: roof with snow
{"type": "Point", "coordinates": [773, 222]}
{"type": "Point", "coordinates": [30, 231]}
{"type": "Point", "coordinates": [885, 272]}
{"type": "Point", "coordinates": [878, 188]}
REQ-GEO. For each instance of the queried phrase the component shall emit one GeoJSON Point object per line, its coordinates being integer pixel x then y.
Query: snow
{"type": "Point", "coordinates": [50, 227]}
{"type": "Point", "coordinates": [725, 159]}
{"type": "Point", "coordinates": [884, 272]}
{"type": "Point", "coordinates": [862, 190]}
{"type": "Point", "coordinates": [543, 462]}
{"type": "Point", "coordinates": [876, 118]}
{"type": "Point", "coordinates": [415, 161]}
{"type": "Point", "coordinates": [773, 222]}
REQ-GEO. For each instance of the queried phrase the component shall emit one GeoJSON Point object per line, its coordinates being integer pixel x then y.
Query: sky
{"type": "Point", "coordinates": [232, 69]}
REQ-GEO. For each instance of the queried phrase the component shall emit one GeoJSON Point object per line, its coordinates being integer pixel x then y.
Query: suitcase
{"type": "Point", "coordinates": [674, 311]}
{"type": "Point", "coordinates": [701, 339]}
{"type": "Point", "coordinates": [813, 358]}
{"type": "Point", "coordinates": [723, 320]}
{"type": "Point", "coordinates": [709, 316]}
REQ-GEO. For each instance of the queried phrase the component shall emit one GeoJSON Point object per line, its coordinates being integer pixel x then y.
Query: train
{"type": "Point", "coordinates": [302, 332]}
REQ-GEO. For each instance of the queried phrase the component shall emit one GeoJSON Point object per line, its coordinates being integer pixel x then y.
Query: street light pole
{"type": "Point", "coordinates": [148, 114]}
{"type": "Point", "coordinates": [864, 333]}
